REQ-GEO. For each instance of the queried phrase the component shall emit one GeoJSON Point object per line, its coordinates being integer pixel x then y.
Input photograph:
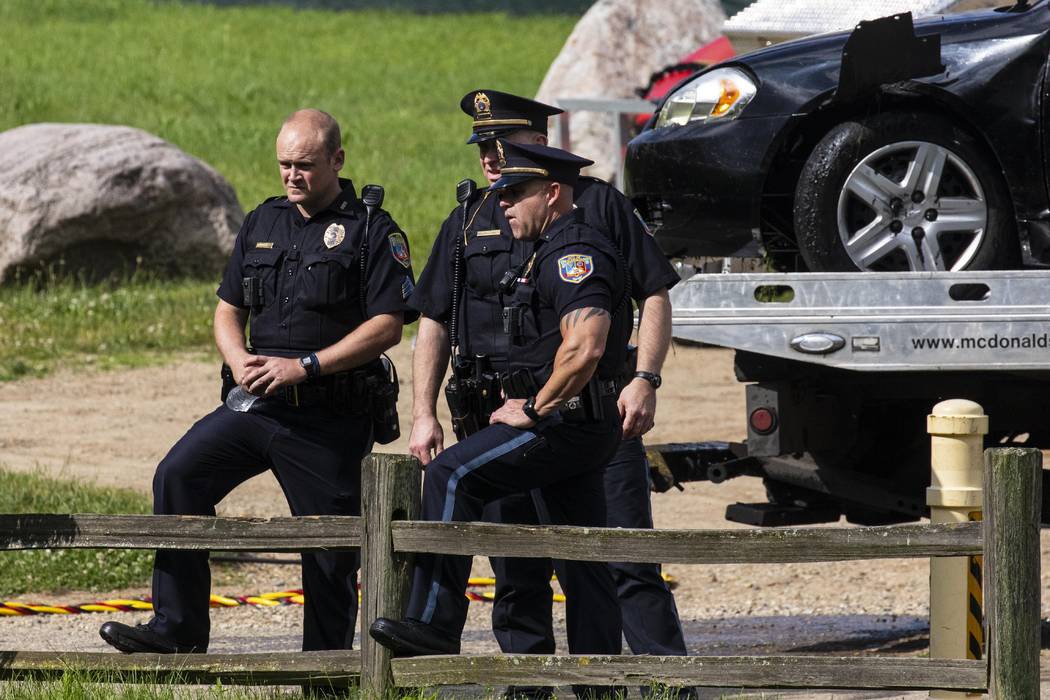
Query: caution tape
{"type": "Point", "coordinates": [264, 600]}
{"type": "Point", "coordinates": [12, 609]}
{"type": "Point", "coordinates": [975, 602]}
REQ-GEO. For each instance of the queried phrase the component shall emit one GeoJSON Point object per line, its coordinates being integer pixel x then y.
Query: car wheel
{"type": "Point", "coordinates": [903, 191]}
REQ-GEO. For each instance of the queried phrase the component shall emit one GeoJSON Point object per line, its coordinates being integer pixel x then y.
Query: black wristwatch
{"type": "Point", "coordinates": [311, 365]}
{"type": "Point", "coordinates": [654, 379]}
{"type": "Point", "coordinates": [529, 409]}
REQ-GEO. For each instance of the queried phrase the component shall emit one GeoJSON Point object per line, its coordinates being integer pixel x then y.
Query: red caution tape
{"type": "Point", "coordinates": [267, 600]}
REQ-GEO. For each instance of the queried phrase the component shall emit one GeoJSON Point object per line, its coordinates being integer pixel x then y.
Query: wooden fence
{"type": "Point", "coordinates": [388, 533]}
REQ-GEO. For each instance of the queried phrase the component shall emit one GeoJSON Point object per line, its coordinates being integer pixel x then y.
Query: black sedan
{"type": "Point", "coordinates": [897, 146]}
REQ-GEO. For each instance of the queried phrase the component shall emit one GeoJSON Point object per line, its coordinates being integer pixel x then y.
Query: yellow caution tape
{"type": "Point", "coordinates": [269, 600]}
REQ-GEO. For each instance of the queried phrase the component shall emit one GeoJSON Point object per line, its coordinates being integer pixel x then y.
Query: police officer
{"type": "Point", "coordinates": [564, 330]}
{"type": "Point", "coordinates": [522, 609]}
{"type": "Point", "coordinates": [323, 279]}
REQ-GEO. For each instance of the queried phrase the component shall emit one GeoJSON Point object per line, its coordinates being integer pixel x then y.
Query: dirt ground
{"type": "Point", "coordinates": [112, 428]}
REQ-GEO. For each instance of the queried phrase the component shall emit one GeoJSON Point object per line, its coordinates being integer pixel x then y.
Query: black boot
{"type": "Point", "coordinates": [142, 639]}
{"type": "Point", "coordinates": [412, 638]}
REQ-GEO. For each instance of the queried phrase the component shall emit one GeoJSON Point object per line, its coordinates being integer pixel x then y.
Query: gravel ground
{"type": "Point", "coordinates": [116, 426]}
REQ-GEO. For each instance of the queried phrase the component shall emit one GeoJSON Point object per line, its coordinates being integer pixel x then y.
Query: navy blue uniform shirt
{"type": "Point", "coordinates": [575, 267]}
{"type": "Point", "coordinates": [490, 251]}
{"type": "Point", "coordinates": [310, 272]}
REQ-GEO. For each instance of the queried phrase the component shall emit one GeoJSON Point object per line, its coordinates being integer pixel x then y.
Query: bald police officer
{"type": "Point", "coordinates": [564, 329]}
{"type": "Point", "coordinates": [522, 610]}
{"type": "Point", "coordinates": [323, 279]}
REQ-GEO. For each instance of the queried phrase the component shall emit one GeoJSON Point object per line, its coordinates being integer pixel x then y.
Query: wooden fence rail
{"type": "Point", "coordinates": [179, 532]}
{"type": "Point", "coordinates": [691, 546]}
{"type": "Point", "coordinates": [388, 534]}
{"type": "Point", "coordinates": [320, 668]}
{"type": "Point", "coordinates": [767, 672]}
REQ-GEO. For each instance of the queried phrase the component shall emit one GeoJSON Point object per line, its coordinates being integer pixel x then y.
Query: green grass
{"type": "Point", "coordinates": [65, 569]}
{"type": "Point", "coordinates": [70, 325]}
{"type": "Point", "coordinates": [218, 81]}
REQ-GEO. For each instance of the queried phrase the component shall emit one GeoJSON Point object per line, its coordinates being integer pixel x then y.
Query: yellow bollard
{"type": "Point", "coordinates": [957, 428]}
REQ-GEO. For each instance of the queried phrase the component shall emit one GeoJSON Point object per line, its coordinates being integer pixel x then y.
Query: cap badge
{"type": "Point", "coordinates": [482, 106]}
{"type": "Point", "coordinates": [575, 268]}
{"type": "Point", "coordinates": [399, 248]}
{"type": "Point", "coordinates": [334, 235]}
{"type": "Point", "coordinates": [499, 152]}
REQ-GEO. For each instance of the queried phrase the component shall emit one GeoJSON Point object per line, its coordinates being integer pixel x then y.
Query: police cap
{"type": "Point", "coordinates": [496, 113]}
{"type": "Point", "coordinates": [520, 162]}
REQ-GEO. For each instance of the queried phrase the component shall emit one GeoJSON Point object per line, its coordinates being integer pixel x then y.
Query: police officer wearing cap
{"type": "Point", "coordinates": [522, 609]}
{"type": "Point", "coordinates": [564, 326]}
{"type": "Point", "coordinates": [323, 280]}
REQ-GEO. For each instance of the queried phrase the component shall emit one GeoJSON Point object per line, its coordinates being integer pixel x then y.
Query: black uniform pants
{"type": "Point", "coordinates": [521, 613]}
{"type": "Point", "coordinates": [316, 457]}
{"type": "Point", "coordinates": [563, 461]}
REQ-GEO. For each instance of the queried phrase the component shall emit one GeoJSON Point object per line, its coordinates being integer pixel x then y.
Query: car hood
{"type": "Point", "coordinates": [794, 75]}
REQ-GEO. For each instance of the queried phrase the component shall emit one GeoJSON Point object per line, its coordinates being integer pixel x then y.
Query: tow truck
{"type": "Point", "coordinates": [841, 370]}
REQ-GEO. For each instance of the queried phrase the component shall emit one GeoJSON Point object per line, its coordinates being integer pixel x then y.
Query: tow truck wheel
{"type": "Point", "coordinates": [903, 191]}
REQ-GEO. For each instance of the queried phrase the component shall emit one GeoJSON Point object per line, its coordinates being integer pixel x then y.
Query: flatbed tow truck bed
{"type": "Point", "coordinates": [841, 369]}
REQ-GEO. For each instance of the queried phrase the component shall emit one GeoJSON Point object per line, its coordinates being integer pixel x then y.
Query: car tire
{"type": "Point", "coordinates": [860, 204]}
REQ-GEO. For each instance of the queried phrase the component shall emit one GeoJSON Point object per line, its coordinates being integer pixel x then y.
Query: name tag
{"type": "Point", "coordinates": [266, 244]}
{"type": "Point", "coordinates": [489, 232]}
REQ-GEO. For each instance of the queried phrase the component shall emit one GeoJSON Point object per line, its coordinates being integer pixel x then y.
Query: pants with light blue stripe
{"type": "Point", "coordinates": [564, 463]}
{"type": "Point", "coordinates": [521, 611]}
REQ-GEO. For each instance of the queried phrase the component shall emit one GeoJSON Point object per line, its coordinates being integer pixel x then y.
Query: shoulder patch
{"type": "Point", "coordinates": [575, 267]}
{"type": "Point", "coordinates": [399, 248]}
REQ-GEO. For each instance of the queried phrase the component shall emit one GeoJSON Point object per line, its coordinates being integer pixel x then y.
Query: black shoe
{"type": "Point", "coordinates": [412, 638]}
{"type": "Point", "coordinates": [142, 639]}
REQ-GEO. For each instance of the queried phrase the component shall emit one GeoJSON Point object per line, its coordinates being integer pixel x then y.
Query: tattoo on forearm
{"type": "Point", "coordinates": [595, 311]}
{"type": "Point", "coordinates": [573, 318]}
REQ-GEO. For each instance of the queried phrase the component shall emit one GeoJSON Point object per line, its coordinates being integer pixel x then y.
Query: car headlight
{"type": "Point", "coordinates": [721, 94]}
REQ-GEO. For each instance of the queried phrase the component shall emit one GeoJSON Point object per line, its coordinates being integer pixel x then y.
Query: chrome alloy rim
{"type": "Point", "coordinates": [912, 205]}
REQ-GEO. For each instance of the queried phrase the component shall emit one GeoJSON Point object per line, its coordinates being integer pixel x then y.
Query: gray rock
{"type": "Point", "coordinates": [106, 198]}
{"type": "Point", "coordinates": [614, 49]}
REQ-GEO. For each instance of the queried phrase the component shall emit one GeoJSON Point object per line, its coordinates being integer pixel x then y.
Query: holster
{"type": "Point", "coordinates": [519, 384]}
{"type": "Point", "coordinates": [589, 405]}
{"type": "Point", "coordinates": [473, 394]}
{"type": "Point", "coordinates": [382, 389]}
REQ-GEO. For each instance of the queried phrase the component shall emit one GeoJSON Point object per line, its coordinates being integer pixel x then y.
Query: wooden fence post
{"type": "Point", "coordinates": [1013, 500]}
{"type": "Point", "coordinates": [390, 490]}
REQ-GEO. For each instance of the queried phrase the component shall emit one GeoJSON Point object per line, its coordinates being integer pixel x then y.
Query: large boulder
{"type": "Point", "coordinates": [614, 49]}
{"type": "Point", "coordinates": [100, 199]}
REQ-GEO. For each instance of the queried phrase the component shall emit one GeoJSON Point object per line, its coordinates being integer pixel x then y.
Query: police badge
{"type": "Point", "coordinates": [334, 235]}
{"type": "Point", "coordinates": [482, 106]}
